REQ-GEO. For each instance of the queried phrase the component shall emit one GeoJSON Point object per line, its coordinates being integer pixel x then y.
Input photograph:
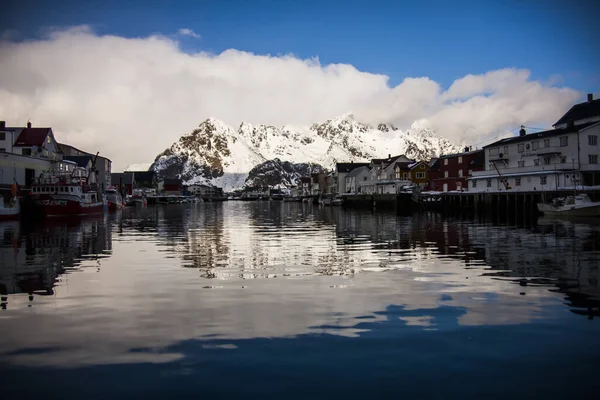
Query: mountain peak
{"type": "Point", "coordinates": [219, 154]}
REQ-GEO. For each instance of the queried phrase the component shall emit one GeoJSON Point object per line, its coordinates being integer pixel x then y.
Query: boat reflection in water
{"type": "Point", "coordinates": [33, 258]}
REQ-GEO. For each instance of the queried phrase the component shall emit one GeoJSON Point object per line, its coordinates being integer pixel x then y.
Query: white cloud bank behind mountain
{"type": "Point", "coordinates": [131, 98]}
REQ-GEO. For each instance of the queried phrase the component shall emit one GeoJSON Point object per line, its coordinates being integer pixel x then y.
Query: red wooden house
{"type": "Point", "coordinates": [450, 172]}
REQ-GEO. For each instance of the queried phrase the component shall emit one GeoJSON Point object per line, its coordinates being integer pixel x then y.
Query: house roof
{"type": "Point", "coordinates": [125, 178]}
{"type": "Point", "coordinates": [81, 161]}
{"type": "Point", "coordinates": [581, 111]}
{"type": "Point", "coordinates": [347, 167]}
{"type": "Point", "coordinates": [32, 137]}
{"type": "Point", "coordinates": [358, 171]}
{"type": "Point", "coordinates": [403, 165]}
{"type": "Point", "coordinates": [538, 135]}
{"type": "Point", "coordinates": [464, 153]}
{"type": "Point", "coordinates": [415, 164]}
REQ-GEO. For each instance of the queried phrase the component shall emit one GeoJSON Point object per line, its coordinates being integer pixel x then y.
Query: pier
{"type": "Point", "coordinates": [507, 203]}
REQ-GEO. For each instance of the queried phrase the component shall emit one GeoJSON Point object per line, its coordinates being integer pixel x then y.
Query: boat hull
{"type": "Point", "coordinates": [69, 208]}
{"type": "Point", "coordinates": [8, 214]}
{"type": "Point", "coordinates": [592, 210]}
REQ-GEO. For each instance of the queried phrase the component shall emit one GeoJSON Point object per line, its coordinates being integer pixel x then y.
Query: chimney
{"type": "Point", "coordinates": [2, 124]}
{"type": "Point", "coordinates": [466, 149]}
{"type": "Point", "coordinates": [389, 156]}
{"type": "Point", "coordinates": [28, 124]}
{"type": "Point", "coordinates": [590, 97]}
{"type": "Point", "coordinates": [522, 132]}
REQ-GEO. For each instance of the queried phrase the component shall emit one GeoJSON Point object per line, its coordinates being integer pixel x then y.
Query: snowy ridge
{"type": "Point", "coordinates": [216, 153]}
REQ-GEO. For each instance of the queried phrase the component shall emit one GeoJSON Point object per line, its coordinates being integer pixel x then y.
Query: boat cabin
{"type": "Point", "coordinates": [54, 189]}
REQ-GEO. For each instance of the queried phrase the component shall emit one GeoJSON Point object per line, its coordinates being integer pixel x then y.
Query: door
{"type": "Point", "coordinates": [445, 189]}
{"type": "Point", "coordinates": [29, 177]}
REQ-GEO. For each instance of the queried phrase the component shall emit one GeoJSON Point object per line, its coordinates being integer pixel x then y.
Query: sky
{"type": "Point", "coordinates": [129, 77]}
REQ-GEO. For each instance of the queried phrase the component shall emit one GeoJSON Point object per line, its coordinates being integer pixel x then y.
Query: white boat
{"type": "Point", "coordinates": [577, 206]}
{"type": "Point", "coordinates": [12, 211]}
{"type": "Point", "coordinates": [337, 201]}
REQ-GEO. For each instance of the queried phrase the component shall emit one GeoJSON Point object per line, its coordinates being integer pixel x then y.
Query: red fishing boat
{"type": "Point", "coordinates": [67, 194]}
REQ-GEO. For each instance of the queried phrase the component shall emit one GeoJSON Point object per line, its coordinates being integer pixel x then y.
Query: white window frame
{"type": "Point", "coordinates": [593, 140]}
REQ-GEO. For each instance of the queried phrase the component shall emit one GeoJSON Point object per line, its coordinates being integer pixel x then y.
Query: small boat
{"type": "Point", "coordinates": [325, 201]}
{"type": "Point", "coordinates": [577, 206]}
{"type": "Point", "coordinates": [337, 201]}
{"type": "Point", "coordinates": [114, 199]}
{"type": "Point", "coordinates": [12, 211]}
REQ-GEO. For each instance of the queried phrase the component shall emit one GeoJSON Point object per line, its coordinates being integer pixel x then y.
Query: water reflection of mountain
{"type": "Point", "coordinates": [250, 240]}
{"type": "Point", "coordinates": [32, 257]}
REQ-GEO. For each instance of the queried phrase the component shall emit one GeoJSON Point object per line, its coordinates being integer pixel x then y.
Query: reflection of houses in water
{"type": "Point", "coordinates": [32, 259]}
{"type": "Point", "coordinates": [560, 254]}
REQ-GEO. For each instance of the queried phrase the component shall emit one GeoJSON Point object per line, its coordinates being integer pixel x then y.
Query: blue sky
{"type": "Point", "coordinates": [443, 40]}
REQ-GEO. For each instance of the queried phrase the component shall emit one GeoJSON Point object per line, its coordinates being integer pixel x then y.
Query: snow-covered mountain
{"type": "Point", "coordinates": [218, 154]}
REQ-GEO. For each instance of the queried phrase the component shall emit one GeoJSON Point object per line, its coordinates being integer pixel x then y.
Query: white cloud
{"type": "Point", "coordinates": [131, 98]}
{"type": "Point", "coordinates": [188, 32]}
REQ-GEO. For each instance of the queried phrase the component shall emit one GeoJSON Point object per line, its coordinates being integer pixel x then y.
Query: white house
{"type": "Point", "coordinates": [27, 152]}
{"type": "Point", "coordinates": [356, 179]}
{"type": "Point", "coordinates": [387, 175]}
{"type": "Point", "coordinates": [340, 173]}
{"type": "Point", "coordinates": [560, 158]}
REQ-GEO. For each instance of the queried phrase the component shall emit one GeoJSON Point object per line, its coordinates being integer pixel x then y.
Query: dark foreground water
{"type": "Point", "coordinates": [287, 300]}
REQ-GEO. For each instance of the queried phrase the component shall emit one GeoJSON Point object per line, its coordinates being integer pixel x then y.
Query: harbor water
{"type": "Point", "coordinates": [291, 300]}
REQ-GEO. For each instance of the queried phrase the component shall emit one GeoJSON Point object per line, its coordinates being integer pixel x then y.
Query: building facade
{"type": "Point", "coordinates": [450, 172]}
{"type": "Point", "coordinates": [565, 157]}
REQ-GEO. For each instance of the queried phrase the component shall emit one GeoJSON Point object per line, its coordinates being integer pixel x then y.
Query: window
{"type": "Point", "coordinates": [422, 166]}
{"type": "Point", "coordinates": [563, 159]}
{"type": "Point", "coordinates": [521, 164]}
{"type": "Point", "coordinates": [26, 152]}
{"type": "Point", "coordinates": [543, 180]}
{"type": "Point", "coordinates": [445, 161]}
{"type": "Point", "coordinates": [536, 161]}
{"type": "Point", "coordinates": [564, 141]}
{"type": "Point", "coordinates": [593, 158]}
{"type": "Point", "coordinates": [460, 173]}
{"type": "Point", "coordinates": [420, 175]}
{"type": "Point", "coordinates": [2, 135]}
{"type": "Point", "coordinates": [397, 175]}
{"type": "Point", "coordinates": [405, 176]}
{"type": "Point", "coordinates": [489, 183]}
{"type": "Point", "coordinates": [474, 183]}
{"type": "Point", "coordinates": [547, 160]}
{"type": "Point", "coordinates": [505, 150]}
{"type": "Point", "coordinates": [2, 150]}
{"type": "Point", "coordinates": [517, 181]}
{"type": "Point", "coordinates": [49, 139]}
{"type": "Point", "coordinates": [364, 178]}
{"type": "Point", "coordinates": [521, 147]}
{"type": "Point", "coordinates": [535, 145]}
{"type": "Point", "coordinates": [494, 151]}
{"type": "Point", "coordinates": [470, 172]}
{"type": "Point", "coordinates": [460, 160]}
{"type": "Point", "coordinates": [546, 142]}
{"type": "Point", "coordinates": [593, 140]}
{"type": "Point", "coordinates": [445, 174]}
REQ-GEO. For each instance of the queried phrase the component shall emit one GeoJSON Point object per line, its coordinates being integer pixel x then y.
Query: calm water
{"type": "Point", "coordinates": [290, 300]}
